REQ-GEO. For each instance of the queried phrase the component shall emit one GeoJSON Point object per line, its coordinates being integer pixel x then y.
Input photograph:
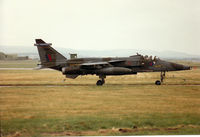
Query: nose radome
{"type": "Point", "coordinates": [187, 67]}
{"type": "Point", "coordinates": [180, 67]}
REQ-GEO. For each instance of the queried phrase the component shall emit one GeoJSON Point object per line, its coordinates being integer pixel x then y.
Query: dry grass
{"type": "Point", "coordinates": [126, 99]}
{"type": "Point", "coordinates": [19, 102]}
{"type": "Point", "coordinates": [41, 77]}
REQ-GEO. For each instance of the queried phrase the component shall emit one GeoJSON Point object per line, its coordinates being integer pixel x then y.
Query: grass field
{"type": "Point", "coordinates": [40, 103]}
{"type": "Point", "coordinates": [18, 63]}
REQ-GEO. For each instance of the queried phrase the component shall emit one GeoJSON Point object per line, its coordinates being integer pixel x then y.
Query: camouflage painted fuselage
{"type": "Point", "coordinates": [118, 66]}
{"type": "Point", "coordinates": [102, 67]}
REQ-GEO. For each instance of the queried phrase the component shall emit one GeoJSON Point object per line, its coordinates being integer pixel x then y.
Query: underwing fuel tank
{"type": "Point", "coordinates": [115, 71]}
{"type": "Point", "coordinates": [72, 69]}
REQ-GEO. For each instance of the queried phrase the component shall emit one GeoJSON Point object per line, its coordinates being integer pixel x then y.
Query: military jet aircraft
{"type": "Point", "coordinates": [103, 67]}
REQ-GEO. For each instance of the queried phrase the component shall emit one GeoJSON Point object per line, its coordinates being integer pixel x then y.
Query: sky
{"type": "Point", "coordinates": [159, 25]}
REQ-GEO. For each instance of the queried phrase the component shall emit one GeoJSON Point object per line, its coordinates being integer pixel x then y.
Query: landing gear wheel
{"type": "Point", "coordinates": [162, 77]}
{"type": "Point", "coordinates": [99, 83]}
{"type": "Point", "coordinates": [158, 82]}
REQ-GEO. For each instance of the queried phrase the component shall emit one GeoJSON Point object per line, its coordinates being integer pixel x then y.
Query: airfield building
{"type": "Point", "coordinates": [4, 56]}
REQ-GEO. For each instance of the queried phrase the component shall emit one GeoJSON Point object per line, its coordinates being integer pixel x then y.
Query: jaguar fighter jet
{"type": "Point", "coordinates": [103, 67]}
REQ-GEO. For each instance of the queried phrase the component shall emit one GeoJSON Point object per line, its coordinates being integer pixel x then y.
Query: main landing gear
{"type": "Point", "coordinates": [102, 81]}
{"type": "Point", "coordinates": [162, 77]}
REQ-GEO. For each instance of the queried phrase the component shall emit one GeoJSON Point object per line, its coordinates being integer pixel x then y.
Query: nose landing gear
{"type": "Point", "coordinates": [102, 81]}
{"type": "Point", "coordinates": [162, 77]}
{"type": "Point", "coordinates": [157, 82]}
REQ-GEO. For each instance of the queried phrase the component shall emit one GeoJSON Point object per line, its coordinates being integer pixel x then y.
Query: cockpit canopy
{"type": "Point", "coordinates": [147, 58]}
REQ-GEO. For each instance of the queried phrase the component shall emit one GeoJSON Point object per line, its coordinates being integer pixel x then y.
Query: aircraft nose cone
{"type": "Point", "coordinates": [187, 67]}
{"type": "Point", "coordinates": [180, 67]}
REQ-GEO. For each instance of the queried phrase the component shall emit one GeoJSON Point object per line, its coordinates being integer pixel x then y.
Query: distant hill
{"type": "Point", "coordinates": [31, 51]}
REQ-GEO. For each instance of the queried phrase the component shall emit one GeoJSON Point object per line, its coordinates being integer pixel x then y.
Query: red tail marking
{"type": "Point", "coordinates": [49, 56]}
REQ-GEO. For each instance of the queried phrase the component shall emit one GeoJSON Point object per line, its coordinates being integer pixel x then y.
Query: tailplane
{"type": "Point", "coordinates": [49, 57]}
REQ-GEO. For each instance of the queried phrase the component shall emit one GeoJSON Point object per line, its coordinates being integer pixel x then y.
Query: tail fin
{"type": "Point", "coordinates": [49, 57]}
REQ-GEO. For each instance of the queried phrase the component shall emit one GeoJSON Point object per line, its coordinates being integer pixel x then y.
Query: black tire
{"type": "Point", "coordinates": [158, 82]}
{"type": "Point", "coordinates": [99, 83]}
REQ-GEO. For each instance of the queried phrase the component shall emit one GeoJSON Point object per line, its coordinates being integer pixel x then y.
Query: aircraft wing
{"type": "Point", "coordinates": [94, 65]}
{"type": "Point", "coordinates": [115, 61]}
{"type": "Point", "coordinates": [98, 65]}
